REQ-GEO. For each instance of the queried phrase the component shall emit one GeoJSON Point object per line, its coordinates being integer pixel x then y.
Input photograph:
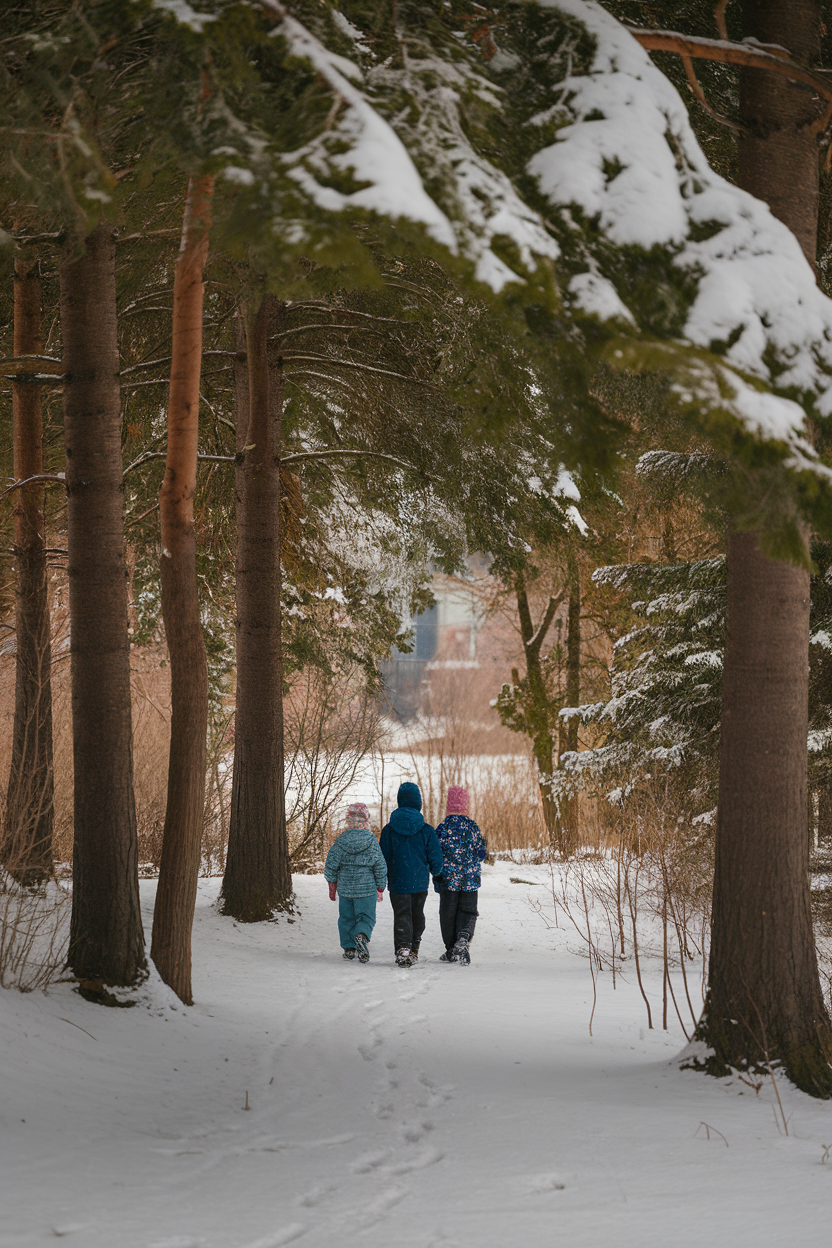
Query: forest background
{"type": "Point", "coordinates": [359, 392]}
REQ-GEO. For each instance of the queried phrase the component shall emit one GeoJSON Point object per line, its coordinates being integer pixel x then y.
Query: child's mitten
{"type": "Point", "coordinates": [380, 892]}
{"type": "Point", "coordinates": [332, 888]}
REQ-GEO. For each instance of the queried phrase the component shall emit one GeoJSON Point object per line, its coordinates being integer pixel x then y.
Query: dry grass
{"type": "Point", "coordinates": [150, 684]}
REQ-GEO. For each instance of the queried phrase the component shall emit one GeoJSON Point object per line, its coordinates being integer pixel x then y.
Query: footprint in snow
{"type": "Point", "coordinates": [429, 1157]}
{"type": "Point", "coordinates": [316, 1194]}
{"type": "Point", "coordinates": [369, 1161]}
{"type": "Point", "coordinates": [366, 1050]}
{"type": "Point", "coordinates": [416, 1133]}
{"type": "Point", "coordinates": [539, 1184]}
{"type": "Point", "coordinates": [377, 1208]}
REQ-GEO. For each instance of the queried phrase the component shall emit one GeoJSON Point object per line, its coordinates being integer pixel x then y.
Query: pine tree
{"type": "Point", "coordinates": [29, 816]}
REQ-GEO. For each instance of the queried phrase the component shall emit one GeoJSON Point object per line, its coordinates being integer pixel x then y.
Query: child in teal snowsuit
{"type": "Point", "coordinates": [356, 870]}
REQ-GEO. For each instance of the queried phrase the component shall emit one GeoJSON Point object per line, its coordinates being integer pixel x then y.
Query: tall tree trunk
{"type": "Point", "coordinates": [106, 942]}
{"type": "Point", "coordinates": [539, 711]}
{"type": "Point", "coordinates": [27, 836]}
{"type": "Point", "coordinates": [568, 730]}
{"type": "Point", "coordinates": [182, 838]}
{"type": "Point", "coordinates": [825, 814]}
{"type": "Point", "coordinates": [258, 878]}
{"type": "Point", "coordinates": [764, 1000]}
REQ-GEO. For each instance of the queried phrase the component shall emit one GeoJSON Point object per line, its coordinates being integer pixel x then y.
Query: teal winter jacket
{"type": "Point", "coordinates": [356, 864]}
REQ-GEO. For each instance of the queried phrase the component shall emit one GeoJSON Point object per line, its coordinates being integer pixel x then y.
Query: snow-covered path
{"type": "Point", "coordinates": [443, 1106]}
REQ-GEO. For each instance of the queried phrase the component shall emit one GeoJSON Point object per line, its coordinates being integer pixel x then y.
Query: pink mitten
{"type": "Point", "coordinates": [380, 892]}
{"type": "Point", "coordinates": [332, 888]}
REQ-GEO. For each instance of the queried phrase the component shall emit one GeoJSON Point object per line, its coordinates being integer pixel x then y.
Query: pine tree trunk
{"type": "Point", "coordinates": [777, 158]}
{"type": "Point", "coordinates": [764, 1000]}
{"type": "Point", "coordinates": [27, 835]}
{"type": "Point", "coordinates": [106, 944]}
{"type": "Point", "coordinates": [182, 838]}
{"type": "Point", "coordinates": [258, 878]}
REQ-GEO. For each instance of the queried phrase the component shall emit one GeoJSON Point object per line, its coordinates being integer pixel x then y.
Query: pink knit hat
{"type": "Point", "coordinates": [457, 800]}
{"type": "Point", "coordinates": [358, 816]}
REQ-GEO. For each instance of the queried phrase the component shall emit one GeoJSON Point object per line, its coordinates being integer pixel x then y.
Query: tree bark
{"type": "Point", "coordinates": [106, 943]}
{"type": "Point", "coordinates": [539, 712]}
{"type": "Point", "coordinates": [258, 878]}
{"type": "Point", "coordinates": [764, 1001]}
{"type": "Point", "coordinates": [778, 158]}
{"type": "Point", "coordinates": [27, 836]}
{"type": "Point", "coordinates": [182, 837]}
{"type": "Point", "coordinates": [568, 731]}
{"type": "Point", "coordinates": [825, 814]}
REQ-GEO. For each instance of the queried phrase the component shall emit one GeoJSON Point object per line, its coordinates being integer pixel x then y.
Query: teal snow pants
{"type": "Point", "coordinates": [355, 914]}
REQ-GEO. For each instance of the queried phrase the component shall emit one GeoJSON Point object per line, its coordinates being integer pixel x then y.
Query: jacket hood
{"type": "Point", "coordinates": [356, 840]}
{"type": "Point", "coordinates": [406, 821]}
{"type": "Point", "coordinates": [409, 796]}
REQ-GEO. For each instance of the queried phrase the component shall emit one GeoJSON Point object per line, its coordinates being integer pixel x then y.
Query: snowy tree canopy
{"type": "Point", "coordinates": [566, 162]}
{"type": "Point", "coordinates": [542, 150]}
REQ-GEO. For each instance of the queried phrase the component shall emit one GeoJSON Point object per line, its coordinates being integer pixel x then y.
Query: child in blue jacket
{"type": "Point", "coordinates": [463, 849]}
{"type": "Point", "coordinates": [412, 854]}
{"type": "Point", "coordinates": [356, 870]}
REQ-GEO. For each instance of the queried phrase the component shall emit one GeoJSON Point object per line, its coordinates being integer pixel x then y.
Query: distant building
{"type": "Point", "coordinates": [445, 636]}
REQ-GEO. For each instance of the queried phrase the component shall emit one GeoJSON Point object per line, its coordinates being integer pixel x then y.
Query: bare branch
{"type": "Point", "coordinates": [700, 95]}
{"type": "Point", "coordinates": [540, 636]}
{"type": "Point", "coordinates": [148, 455]}
{"type": "Point", "coordinates": [44, 478]}
{"type": "Point", "coordinates": [719, 18]}
{"type": "Point", "coordinates": [134, 368]}
{"type": "Point", "coordinates": [307, 455]}
{"type": "Point", "coordinates": [367, 368]}
{"type": "Point", "coordinates": [46, 364]}
{"type": "Point", "coordinates": [754, 56]}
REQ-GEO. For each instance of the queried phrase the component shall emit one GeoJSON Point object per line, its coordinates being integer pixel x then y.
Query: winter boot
{"type": "Point", "coordinates": [349, 954]}
{"type": "Point", "coordinates": [362, 948]}
{"type": "Point", "coordinates": [414, 951]}
{"type": "Point", "coordinates": [460, 953]}
{"type": "Point", "coordinates": [404, 956]}
{"type": "Point", "coordinates": [447, 956]}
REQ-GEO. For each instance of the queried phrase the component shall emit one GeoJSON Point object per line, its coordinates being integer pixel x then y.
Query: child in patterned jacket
{"type": "Point", "coordinates": [355, 869]}
{"type": "Point", "coordinates": [463, 850]}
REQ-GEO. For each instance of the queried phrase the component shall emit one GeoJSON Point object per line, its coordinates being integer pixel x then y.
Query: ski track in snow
{"type": "Point", "coordinates": [436, 1107]}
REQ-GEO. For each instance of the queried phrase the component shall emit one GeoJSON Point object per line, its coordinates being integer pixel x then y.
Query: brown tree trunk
{"type": "Point", "coordinates": [539, 712]}
{"type": "Point", "coordinates": [825, 814]}
{"type": "Point", "coordinates": [258, 878]}
{"type": "Point", "coordinates": [764, 1000]}
{"type": "Point", "coordinates": [778, 159]}
{"type": "Point", "coordinates": [182, 838]}
{"type": "Point", "coordinates": [568, 730]}
{"type": "Point", "coordinates": [27, 835]}
{"type": "Point", "coordinates": [106, 944]}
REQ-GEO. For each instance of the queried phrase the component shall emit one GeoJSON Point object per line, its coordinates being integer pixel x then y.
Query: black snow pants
{"type": "Point", "coordinates": [408, 919]}
{"type": "Point", "coordinates": [457, 915]}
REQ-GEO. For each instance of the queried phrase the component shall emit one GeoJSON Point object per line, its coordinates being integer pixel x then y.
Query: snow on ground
{"type": "Point", "coordinates": [441, 1107]}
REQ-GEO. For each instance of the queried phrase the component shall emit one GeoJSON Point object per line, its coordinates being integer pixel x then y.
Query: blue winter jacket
{"type": "Point", "coordinates": [411, 851]}
{"type": "Point", "coordinates": [355, 864]}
